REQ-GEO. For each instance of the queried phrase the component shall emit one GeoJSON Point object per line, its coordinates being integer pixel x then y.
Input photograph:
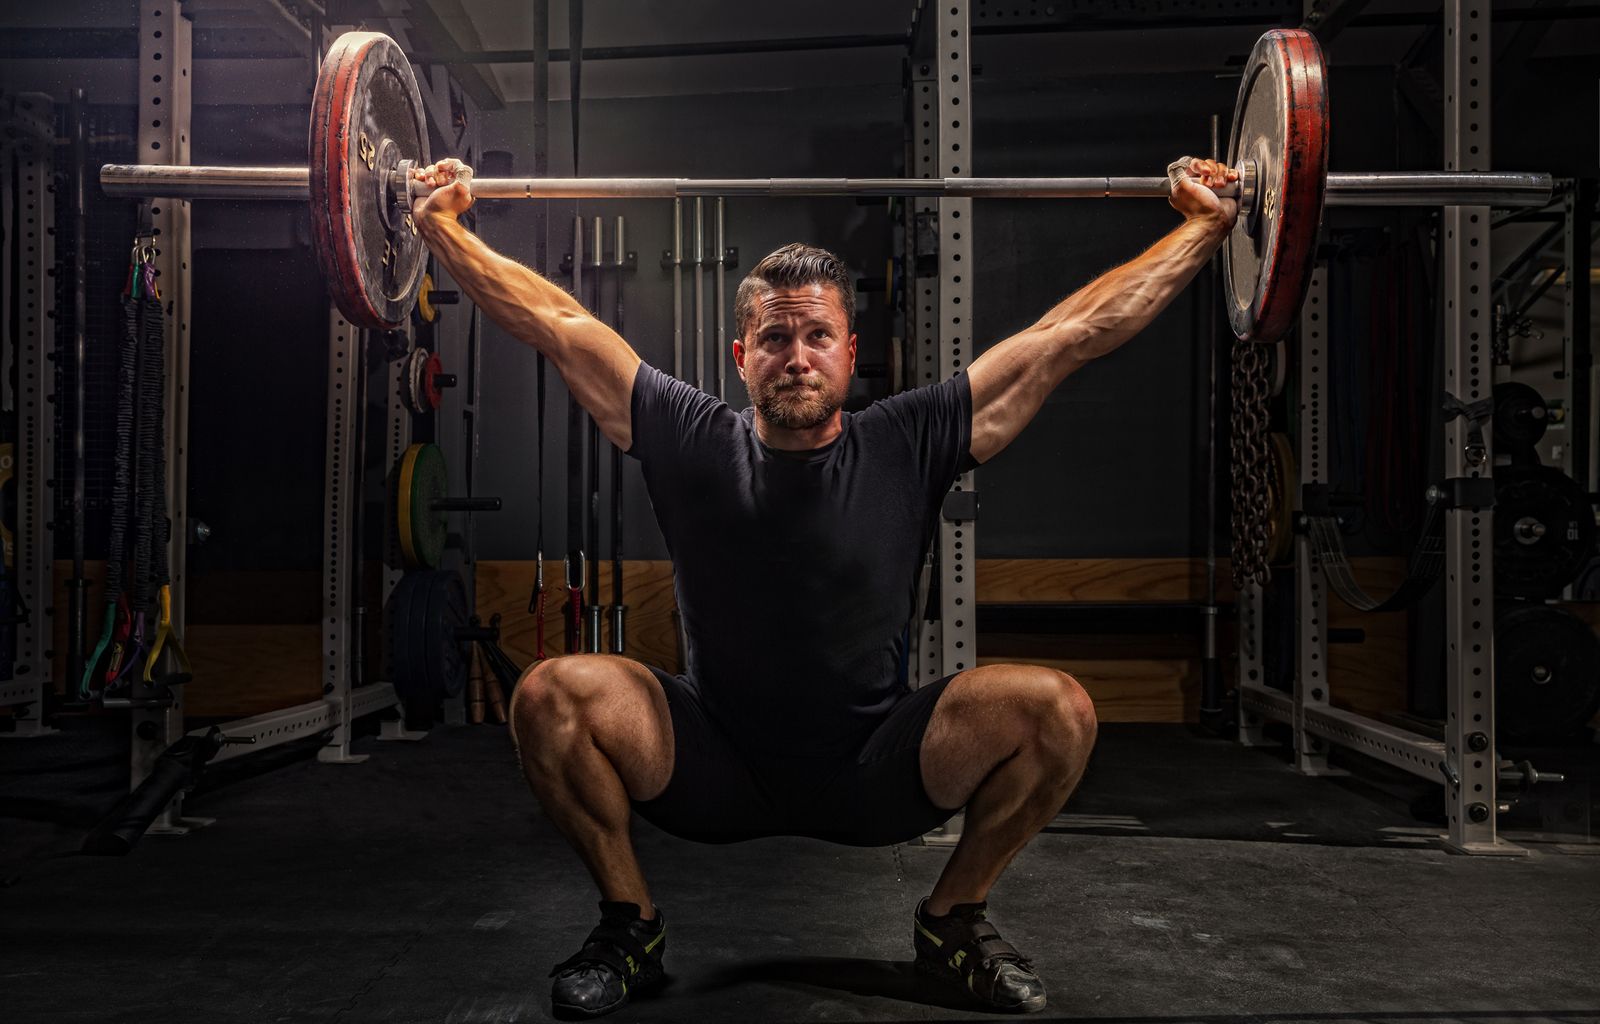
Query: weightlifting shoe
{"type": "Point", "coordinates": [620, 959]}
{"type": "Point", "coordinates": [963, 948]}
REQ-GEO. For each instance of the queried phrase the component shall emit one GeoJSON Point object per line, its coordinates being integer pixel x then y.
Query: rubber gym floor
{"type": "Point", "coordinates": [1190, 879]}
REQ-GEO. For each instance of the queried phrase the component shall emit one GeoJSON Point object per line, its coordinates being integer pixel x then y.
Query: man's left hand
{"type": "Point", "coordinates": [1193, 191]}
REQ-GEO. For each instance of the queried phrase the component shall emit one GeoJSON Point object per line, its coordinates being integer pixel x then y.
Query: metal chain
{"type": "Point", "coordinates": [1251, 462]}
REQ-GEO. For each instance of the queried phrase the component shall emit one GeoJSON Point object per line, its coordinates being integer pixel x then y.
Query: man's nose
{"type": "Point", "coordinates": [796, 359]}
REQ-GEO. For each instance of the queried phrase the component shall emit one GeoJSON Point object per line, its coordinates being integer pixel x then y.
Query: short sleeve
{"type": "Point", "coordinates": [669, 416]}
{"type": "Point", "coordinates": [936, 421]}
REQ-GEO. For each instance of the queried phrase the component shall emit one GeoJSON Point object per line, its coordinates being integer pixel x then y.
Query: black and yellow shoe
{"type": "Point", "coordinates": [964, 948]}
{"type": "Point", "coordinates": [620, 959]}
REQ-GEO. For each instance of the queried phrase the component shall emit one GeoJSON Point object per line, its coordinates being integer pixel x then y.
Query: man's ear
{"type": "Point", "coordinates": [852, 355]}
{"type": "Point", "coordinates": [738, 356]}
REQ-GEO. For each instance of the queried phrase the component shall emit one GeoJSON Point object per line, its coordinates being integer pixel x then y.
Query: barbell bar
{"type": "Point", "coordinates": [1373, 188]}
{"type": "Point", "coordinates": [368, 132]}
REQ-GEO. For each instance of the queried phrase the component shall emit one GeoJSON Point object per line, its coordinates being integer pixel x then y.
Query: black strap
{"type": "Point", "coordinates": [1422, 572]}
{"type": "Point", "coordinates": [538, 562]}
{"type": "Point", "coordinates": [122, 480]}
{"type": "Point", "coordinates": [618, 609]}
{"type": "Point", "coordinates": [577, 489]}
{"type": "Point", "coordinates": [150, 470]}
{"type": "Point", "coordinates": [610, 946]}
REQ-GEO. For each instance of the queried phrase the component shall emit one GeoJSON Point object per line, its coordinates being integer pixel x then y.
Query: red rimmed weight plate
{"type": "Point", "coordinates": [366, 117]}
{"type": "Point", "coordinates": [1280, 122]}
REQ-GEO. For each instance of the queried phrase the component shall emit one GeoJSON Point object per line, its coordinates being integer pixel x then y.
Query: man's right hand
{"type": "Point", "coordinates": [451, 181]}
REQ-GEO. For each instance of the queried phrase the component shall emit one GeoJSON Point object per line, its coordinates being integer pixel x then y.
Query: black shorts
{"type": "Point", "coordinates": [720, 794]}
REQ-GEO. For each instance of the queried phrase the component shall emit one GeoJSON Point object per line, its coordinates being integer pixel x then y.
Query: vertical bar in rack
{"type": "Point", "coordinates": [397, 438]}
{"type": "Point", "coordinates": [163, 138]}
{"type": "Point", "coordinates": [340, 473]}
{"type": "Point", "coordinates": [1311, 680]}
{"type": "Point", "coordinates": [1578, 343]}
{"type": "Point", "coordinates": [953, 117]}
{"type": "Point", "coordinates": [34, 458]}
{"type": "Point", "coordinates": [926, 655]}
{"type": "Point", "coordinates": [1469, 573]}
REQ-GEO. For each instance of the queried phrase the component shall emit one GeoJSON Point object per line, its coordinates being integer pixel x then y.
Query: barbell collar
{"type": "Point", "coordinates": [1348, 188]}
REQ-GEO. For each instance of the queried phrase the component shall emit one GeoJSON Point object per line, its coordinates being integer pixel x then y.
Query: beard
{"type": "Point", "coordinates": [796, 404]}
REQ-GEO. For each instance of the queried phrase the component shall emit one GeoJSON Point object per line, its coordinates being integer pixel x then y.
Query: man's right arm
{"type": "Point", "coordinates": [598, 366]}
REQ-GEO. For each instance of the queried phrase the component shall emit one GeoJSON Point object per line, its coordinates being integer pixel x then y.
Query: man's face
{"type": "Point", "coordinates": [797, 356]}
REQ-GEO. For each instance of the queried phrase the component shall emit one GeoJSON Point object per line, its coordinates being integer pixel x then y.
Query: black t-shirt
{"type": "Point", "coordinates": [796, 572]}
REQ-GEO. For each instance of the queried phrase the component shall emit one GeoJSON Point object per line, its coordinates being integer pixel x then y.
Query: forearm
{"type": "Point", "coordinates": [597, 365]}
{"type": "Point", "coordinates": [1120, 303]}
{"type": "Point", "coordinates": [1011, 381]}
{"type": "Point", "coordinates": [527, 306]}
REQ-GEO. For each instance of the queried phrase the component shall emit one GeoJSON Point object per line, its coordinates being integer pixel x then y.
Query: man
{"type": "Point", "coordinates": [797, 534]}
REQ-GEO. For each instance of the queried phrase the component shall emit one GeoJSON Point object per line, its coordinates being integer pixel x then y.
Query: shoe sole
{"type": "Point", "coordinates": [944, 972]}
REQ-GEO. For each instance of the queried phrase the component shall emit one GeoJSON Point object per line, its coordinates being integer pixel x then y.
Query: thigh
{"type": "Point", "coordinates": [713, 795]}
{"type": "Point", "coordinates": [986, 715]}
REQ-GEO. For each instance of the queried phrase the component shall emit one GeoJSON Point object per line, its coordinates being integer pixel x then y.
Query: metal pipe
{"type": "Point", "coordinates": [1348, 188]}
{"type": "Point", "coordinates": [677, 288]}
{"type": "Point", "coordinates": [721, 341]}
{"type": "Point", "coordinates": [78, 587]}
{"type": "Point", "coordinates": [699, 294]}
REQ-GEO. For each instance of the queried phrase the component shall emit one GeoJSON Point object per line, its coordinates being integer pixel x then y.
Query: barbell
{"type": "Point", "coordinates": [368, 132]}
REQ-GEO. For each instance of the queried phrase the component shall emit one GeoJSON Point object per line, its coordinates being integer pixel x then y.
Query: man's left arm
{"type": "Point", "coordinates": [1012, 379]}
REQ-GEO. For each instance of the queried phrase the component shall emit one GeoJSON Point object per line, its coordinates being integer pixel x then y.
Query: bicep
{"type": "Point", "coordinates": [1010, 382]}
{"type": "Point", "coordinates": [599, 369]}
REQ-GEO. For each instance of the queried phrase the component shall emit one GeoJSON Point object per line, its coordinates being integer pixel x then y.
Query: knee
{"type": "Point", "coordinates": [1063, 714]}
{"type": "Point", "coordinates": [549, 696]}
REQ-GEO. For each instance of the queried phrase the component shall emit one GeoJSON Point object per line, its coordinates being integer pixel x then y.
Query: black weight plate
{"type": "Point", "coordinates": [1520, 416]}
{"type": "Point", "coordinates": [409, 673]}
{"type": "Point", "coordinates": [1546, 674]}
{"type": "Point", "coordinates": [447, 658]}
{"type": "Point", "coordinates": [1543, 531]}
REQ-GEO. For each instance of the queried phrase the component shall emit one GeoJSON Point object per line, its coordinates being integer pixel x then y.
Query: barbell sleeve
{"type": "Point", "coordinates": [1347, 188]}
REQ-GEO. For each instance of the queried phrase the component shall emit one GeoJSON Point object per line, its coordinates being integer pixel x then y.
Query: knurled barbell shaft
{"type": "Point", "coordinates": [1377, 188]}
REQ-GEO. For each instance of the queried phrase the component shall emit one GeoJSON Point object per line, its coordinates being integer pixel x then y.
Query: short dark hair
{"type": "Point", "coordinates": [794, 266]}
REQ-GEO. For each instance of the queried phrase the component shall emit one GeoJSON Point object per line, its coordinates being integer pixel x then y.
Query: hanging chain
{"type": "Point", "coordinates": [1251, 462]}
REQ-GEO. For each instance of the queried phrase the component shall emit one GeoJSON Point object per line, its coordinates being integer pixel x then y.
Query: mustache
{"type": "Point", "coordinates": [813, 381]}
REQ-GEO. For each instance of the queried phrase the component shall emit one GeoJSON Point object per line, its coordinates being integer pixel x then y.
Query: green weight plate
{"type": "Point", "coordinates": [422, 529]}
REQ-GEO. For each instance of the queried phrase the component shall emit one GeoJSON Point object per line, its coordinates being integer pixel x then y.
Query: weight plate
{"type": "Point", "coordinates": [366, 117]}
{"type": "Point", "coordinates": [1544, 531]}
{"type": "Point", "coordinates": [426, 311]}
{"type": "Point", "coordinates": [421, 528]}
{"type": "Point", "coordinates": [416, 390]}
{"type": "Point", "coordinates": [1546, 674]}
{"type": "Point", "coordinates": [1280, 122]}
{"type": "Point", "coordinates": [1520, 416]}
{"type": "Point", "coordinates": [428, 662]}
{"type": "Point", "coordinates": [409, 672]}
{"type": "Point", "coordinates": [447, 658]}
{"type": "Point", "coordinates": [1281, 485]}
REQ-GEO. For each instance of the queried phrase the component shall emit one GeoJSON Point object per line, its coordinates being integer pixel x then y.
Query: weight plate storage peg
{"type": "Point", "coordinates": [366, 118]}
{"type": "Point", "coordinates": [422, 525]}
